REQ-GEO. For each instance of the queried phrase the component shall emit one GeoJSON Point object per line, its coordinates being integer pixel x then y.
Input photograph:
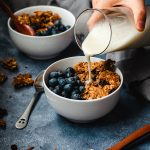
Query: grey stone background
{"type": "Point", "coordinates": [47, 130]}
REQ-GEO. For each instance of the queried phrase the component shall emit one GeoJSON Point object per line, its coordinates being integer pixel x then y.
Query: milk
{"type": "Point", "coordinates": [124, 36]}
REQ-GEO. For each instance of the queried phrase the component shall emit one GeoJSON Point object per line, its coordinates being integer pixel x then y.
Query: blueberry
{"type": "Point", "coordinates": [76, 88]}
{"type": "Point", "coordinates": [35, 26]}
{"type": "Point", "coordinates": [76, 78]}
{"type": "Point", "coordinates": [59, 78]}
{"type": "Point", "coordinates": [56, 91]}
{"type": "Point", "coordinates": [81, 89]}
{"type": "Point", "coordinates": [54, 74]}
{"type": "Point", "coordinates": [51, 88]}
{"type": "Point", "coordinates": [62, 82]}
{"type": "Point", "coordinates": [49, 31]}
{"type": "Point", "coordinates": [69, 74]}
{"type": "Point", "coordinates": [76, 91]}
{"type": "Point", "coordinates": [68, 88]}
{"type": "Point", "coordinates": [70, 69]}
{"type": "Point", "coordinates": [53, 31]}
{"type": "Point", "coordinates": [65, 94]}
{"type": "Point", "coordinates": [79, 82]}
{"type": "Point", "coordinates": [60, 74]}
{"type": "Point", "coordinates": [53, 82]}
{"type": "Point", "coordinates": [75, 96]}
{"type": "Point", "coordinates": [38, 33]}
{"type": "Point", "coordinates": [58, 22]}
{"type": "Point", "coordinates": [70, 80]}
{"type": "Point", "coordinates": [67, 27]}
{"type": "Point", "coordinates": [58, 88]}
{"type": "Point", "coordinates": [62, 28]}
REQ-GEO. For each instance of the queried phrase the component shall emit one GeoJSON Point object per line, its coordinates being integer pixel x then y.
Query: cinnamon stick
{"type": "Point", "coordinates": [133, 136]}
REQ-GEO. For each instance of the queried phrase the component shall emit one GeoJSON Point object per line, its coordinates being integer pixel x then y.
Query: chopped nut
{"type": "Point", "coordinates": [3, 77]}
{"type": "Point", "coordinates": [3, 112]}
{"type": "Point", "coordinates": [14, 147]}
{"type": "Point", "coordinates": [22, 80]}
{"type": "Point", "coordinates": [10, 64]}
{"type": "Point", "coordinates": [2, 123]}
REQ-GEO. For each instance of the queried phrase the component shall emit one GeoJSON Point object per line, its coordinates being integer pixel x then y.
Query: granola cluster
{"type": "Point", "coordinates": [104, 78]}
{"type": "Point", "coordinates": [22, 80]}
{"type": "Point", "coordinates": [9, 63]}
{"type": "Point", "coordinates": [43, 19]}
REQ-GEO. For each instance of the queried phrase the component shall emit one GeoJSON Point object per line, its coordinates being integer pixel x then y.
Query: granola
{"type": "Point", "coordinates": [9, 63]}
{"type": "Point", "coordinates": [22, 80]}
{"type": "Point", "coordinates": [104, 78]}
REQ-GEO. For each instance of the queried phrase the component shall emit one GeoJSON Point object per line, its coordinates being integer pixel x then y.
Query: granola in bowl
{"type": "Point", "coordinates": [104, 78]}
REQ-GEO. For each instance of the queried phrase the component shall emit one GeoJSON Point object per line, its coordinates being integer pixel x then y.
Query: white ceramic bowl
{"type": "Point", "coordinates": [79, 110]}
{"type": "Point", "coordinates": [44, 47]}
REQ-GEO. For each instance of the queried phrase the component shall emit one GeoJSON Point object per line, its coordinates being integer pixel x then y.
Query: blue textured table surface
{"type": "Point", "coordinates": [46, 130]}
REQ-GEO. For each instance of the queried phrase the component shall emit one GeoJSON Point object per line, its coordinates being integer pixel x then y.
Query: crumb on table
{"type": "Point", "coordinates": [2, 123]}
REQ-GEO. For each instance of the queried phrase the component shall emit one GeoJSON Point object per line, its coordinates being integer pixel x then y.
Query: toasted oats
{"type": "Point", "coordinates": [104, 78]}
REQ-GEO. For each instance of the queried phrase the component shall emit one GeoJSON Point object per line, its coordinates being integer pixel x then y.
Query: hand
{"type": "Point", "coordinates": [136, 6]}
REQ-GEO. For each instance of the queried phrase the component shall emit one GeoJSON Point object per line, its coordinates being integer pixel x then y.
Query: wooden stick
{"type": "Point", "coordinates": [133, 136]}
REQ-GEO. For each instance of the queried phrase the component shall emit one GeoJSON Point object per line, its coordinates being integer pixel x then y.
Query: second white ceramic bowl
{"type": "Point", "coordinates": [44, 47]}
{"type": "Point", "coordinates": [79, 110]}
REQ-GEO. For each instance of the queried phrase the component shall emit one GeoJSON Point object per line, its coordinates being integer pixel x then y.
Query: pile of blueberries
{"type": "Point", "coordinates": [51, 30]}
{"type": "Point", "coordinates": [66, 84]}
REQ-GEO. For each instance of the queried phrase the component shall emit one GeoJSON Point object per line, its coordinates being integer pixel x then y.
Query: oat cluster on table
{"type": "Point", "coordinates": [22, 80]}
{"type": "Point", "coordinates": [9, 63]}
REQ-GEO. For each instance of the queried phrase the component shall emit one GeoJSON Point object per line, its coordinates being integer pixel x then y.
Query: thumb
{"type": "Point", "coordinates": [139, 13]}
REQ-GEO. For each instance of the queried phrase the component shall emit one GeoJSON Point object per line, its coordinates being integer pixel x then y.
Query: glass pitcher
{"type": "Point", "coordinates": [111, 30]}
